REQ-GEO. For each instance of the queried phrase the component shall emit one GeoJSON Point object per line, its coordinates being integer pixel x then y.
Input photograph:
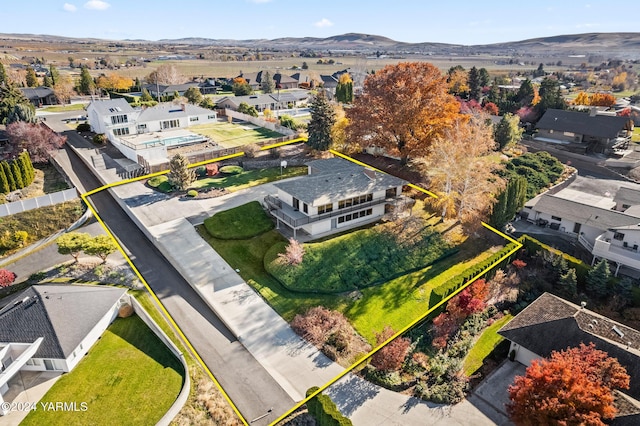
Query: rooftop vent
{"type": "Point", "coordinates": [583, 304]}
{"type": "Point", "coordinates": [618, 331]}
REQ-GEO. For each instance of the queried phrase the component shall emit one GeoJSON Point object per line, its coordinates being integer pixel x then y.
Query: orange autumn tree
{"type": "Point", "coordinates": [403, 108]}
{"type": "Point", "coordinates": [574, 386]}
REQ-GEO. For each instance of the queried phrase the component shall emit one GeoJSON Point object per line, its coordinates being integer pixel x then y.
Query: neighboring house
{"type": "Point", "coordinates": [553, 324]}
{"type": "Point", "coordinates": [168, 90]}
{"type": "Point", "coordinates": [607, 224]}
{"type": "Point", "coordinates": [145, 132]}
{"type": "Point", "coordinates": [281, 81]}
{"type": "Point", "coordinates": [598, 133]}
{"type": "Point", "coordinates": [307, 79]}
{"type": "Point", "coordinates": [273, 101]}
{"type": "Point", "coordinates": [39, 96]}
{"type": "Point", "coordinates": [334, 195]}
{"type": "Point", "coordinates": [51, 327]}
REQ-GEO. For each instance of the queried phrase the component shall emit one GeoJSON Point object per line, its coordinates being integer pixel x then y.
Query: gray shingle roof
{"type": "Point", "coordinates": [111, 106]}
{"type": "Point", "coordinates": [169, 110]}
{"type": "Point", "coordinates": [600, 126]}
{"type": "Point", "coordinates": [582, 213]}
{"type": "Point", "coordinates": [169, 89]}
{"type": "Point", "coordinates": [627, 196]}
{"type": "Point", "coordinates": [553, 324]}
{"type": "Point", "coordinates": [36, 92]}
{"type": "Point", "coordinates": [338, 179]}
{"type": "Point", "coordinates": [62, 314]}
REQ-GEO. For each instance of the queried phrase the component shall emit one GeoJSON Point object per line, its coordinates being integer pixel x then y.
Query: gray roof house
{"type": "Point", "coordinates": [551, 323]}
{"type": "Point", "coordinates": [336, 194]}
{"type": "Point", "coordinates": [50, 327]}
{"type": "Point", "coordinates": [39, 96]}
{"type": "Point", "coordinates": [598, 133]}
{"type": "Point", "coordinates": [170, 89]}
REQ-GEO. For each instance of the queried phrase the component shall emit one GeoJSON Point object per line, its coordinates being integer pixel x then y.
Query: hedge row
{"type": "Point", "coordinates": [532, 246]}
{"type": "Point", "coordinates": [324, 410]}
{"type": "Point", "coordinates": [17, 173]}
{"type": "Point", "coordinates": [444, 290]}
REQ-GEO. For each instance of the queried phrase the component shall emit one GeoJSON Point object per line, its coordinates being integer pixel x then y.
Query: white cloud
{"type": "Point", "coordinates": [323, 23]}
{"type": "Point", "coordinates": [97, 5]}
{"type": "Point", "coordinates": [69, 7]}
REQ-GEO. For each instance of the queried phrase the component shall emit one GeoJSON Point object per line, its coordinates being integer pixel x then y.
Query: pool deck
{"type": "Point", "coordinates": [150, 139]}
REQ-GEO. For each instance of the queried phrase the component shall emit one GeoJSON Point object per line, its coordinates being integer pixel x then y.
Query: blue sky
{"type": "Point", "coordinates": [462, 21]}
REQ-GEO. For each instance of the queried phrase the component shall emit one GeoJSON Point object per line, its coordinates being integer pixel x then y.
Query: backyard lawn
{"type": "Point", "coordinates": [64, 108]}
{"type": "Point", "coordinates": [248, 178]}
{"type": "Point", "coordinates": [230, 135]}
{"type": "Point", "coordinates": [128, 377]}
{"type": "Point", "coordinates": [636, 134]}
{"type": "Point", "coordinates": [487, 342]}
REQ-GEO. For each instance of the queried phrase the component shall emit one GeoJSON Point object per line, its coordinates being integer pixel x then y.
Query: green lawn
{"type": "Point", "coordinates": [636, 134]}
{"type": "Point", "coordinates": [487, 342]}
{"type": "Point", "coordinates": [128, 377]}
{"type": "Point", "coordinates": [64, 108]}
{"type": "Point", "coordinates": [232, 224]}
{"type": "Point", "coordinates": [248, 178]}
{"type": "Point", "coordinates": [229, 135]}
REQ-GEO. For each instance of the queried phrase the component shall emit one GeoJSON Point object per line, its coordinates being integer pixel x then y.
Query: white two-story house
{"type": "Point", "coordinates": [336, 194]}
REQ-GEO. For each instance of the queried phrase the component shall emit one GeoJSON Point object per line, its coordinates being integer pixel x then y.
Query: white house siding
{"type": "Point", "coordinates": [316, 228]}
{"type": "Point", "coordinates": [288, 199]}
{"type": "Point", "coordinates": [130, 153]}
{"type": "Point", "coordinates": [523, 355]}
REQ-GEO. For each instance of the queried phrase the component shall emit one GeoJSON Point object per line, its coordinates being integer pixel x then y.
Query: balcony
{"type": "Point", "coordinates": [626, 256]}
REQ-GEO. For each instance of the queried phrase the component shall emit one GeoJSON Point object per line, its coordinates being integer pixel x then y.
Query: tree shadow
{"type": "Point", "coordinates": [351, 393]}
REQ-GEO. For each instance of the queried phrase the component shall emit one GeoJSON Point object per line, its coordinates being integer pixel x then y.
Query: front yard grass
{"type": "Point", "coordinates": [128, 377]}
{"type": "Point", "coordinates": [487, 342]}
{"type": "Point", "coordinates": [230, 135]}
{"type": "Point", "coordinates": [247, 178]}
{"type": "Point", "coordinates": [635, 137]}
{"type": "Point", "coordinates": [64, 108]}
{"type": "Point", "coordinates": [232, 225]}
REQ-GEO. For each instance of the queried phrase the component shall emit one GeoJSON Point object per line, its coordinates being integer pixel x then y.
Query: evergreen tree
{"type": "Point", "coordinates": [176, 95]}
{"type": "Point", "coordinates": [344, 89]}
{"type": "Point", "coordinates": [46, 81]}
{"type": "Point", "coordinates": [473, 80]}
{"type": "Point", "coordinates": [624, 288]}
{"type": "Point", "coordinates": [267, 84]}
{"type": "Point", "coordinates": [180, 175]}
{"type": "Point", "coordinates": [323, 118]}
{"type": "Point", "coordinates": [540, 71]}
{"type": "Point", "coordinates": [525, 93]}
{"type": "Point", "coordinates": [86, 85]}
{"type": "Point", "coordinates": [9, 175]}
{"type": "Point", "coordinates": [26, 168]}
{"type": "Point", "coordinates": [4, 183]}
{"type": "Point", "coordinates": [146, 96]}
{"type": "Point", "coordinates": [3, 75]}
{"type": "Point", "coordinates": [17, 175]}
{"type": "Point", "coordinates": [508, 131]}
{"type": "Point", "coordinates": [598, 279]}
{"type": "Point", "coordinates": [509, 201]}
{"type": "Point", "coordinates": [568, 283]}
{"type": "Point", "coordinates": [32, 78]}
{"type": "Point", "coordinates": [483, 77]}
{"type": "Point", "coordinates": [55, 75]}
{"type": "Point", "coordinates": [14, 106]}
{"type": "Point", "coordinates": [137, 85]}
{"type": "Point", "coordinates": [550, 96]}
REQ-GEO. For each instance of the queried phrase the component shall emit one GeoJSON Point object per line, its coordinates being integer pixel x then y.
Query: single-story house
{"type": "Point", "coordinates": [336, 194]}
{"type": "Point", "coordinates": [307, 79]}
{"type": "Point", "coordinates": [605, 223]}
{"type": "Point", "coordinates": [281, 81]}
{"type": "Point", "coordinates": [273, 101]}
{"type": "Point", "coordinates": [598, 133]}
{"type": "Point", "coordinates": [551, 323]}
{"type": "Point", "coordinates": [50, 327]}
{"type": "Point", "coordinates": [39, 96]}
{"type": "Point", "coordinates": [168, 90]}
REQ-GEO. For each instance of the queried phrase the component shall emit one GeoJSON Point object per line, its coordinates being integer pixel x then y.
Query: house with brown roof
{"type": "Point", "coordinates": [551, 323]}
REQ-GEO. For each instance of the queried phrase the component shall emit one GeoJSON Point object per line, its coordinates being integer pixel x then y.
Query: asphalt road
{"type": "Point", "coordinates": [246, 382]}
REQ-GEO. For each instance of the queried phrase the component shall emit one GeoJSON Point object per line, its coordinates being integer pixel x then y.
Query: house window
{"type": "Point", "coordinates": [626, 206]}
{"type": "Point", "coordinates": [121, 131]}
{"type": "Point", "coordinates": [211, 117]}
{"type": "Point", "coordinates": [119, 119]}
{"type": "Point", "coordinates": [356, 215]}
{"type": "Point", "coordinates": [559, 219]}
{"type": "Point", "coordinates": [194, 119]}
{"type": "Point", "coordinates": [34, 362]}
{"type": "Point", "coordinates": [305, 208]}
{"type": "Point", "coordinates": [327, 208]}
{"type": "Point", "coordinates": [170, 124]}
{"type": "Point", "coordinates": [142, 126]}
{"type": "Point", "coordinates": [618, 236]}
{"type": "Point", "coordinates": [354, 201]}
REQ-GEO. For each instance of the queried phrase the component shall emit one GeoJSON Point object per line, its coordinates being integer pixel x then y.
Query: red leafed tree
{"type": "Point", "coordinates": [392, 355]}
{"type": "Point", "coordinates": [6, 278]}
{"type": "Point", "coordinates": [574, 386]}
{"type": "Point", "coordinates": [491, 108]}
{"type": "Point", "coordinates": [403, 109]}
{"type": "Point", "coordinates": [37, 139]}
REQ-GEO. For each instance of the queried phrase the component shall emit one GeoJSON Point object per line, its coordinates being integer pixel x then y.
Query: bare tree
{"type": "Point", "coordinates": [165, 74]}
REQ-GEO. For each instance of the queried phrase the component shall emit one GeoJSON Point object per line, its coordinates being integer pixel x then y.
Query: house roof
{"type": "Point", "coordinates": [169, 110]}
{"type": "Point", "coordinates": [171, 88]}
{"type": "Point", "coordinates": [36, 92]}
{"type": "Point", "coordinates": [628, 196]}
{"type": "Point", "coordinates": [111, 106]}
{"type": "Point", "coordinates": [553, 324]}
{"type": "Point", "coordinates": [282, 78]}
{"type": "Point", "coordinates": [329, 80]}
{"type": "Point", "coordinates": [585, 214]}
{"type": "Point", "coordinates": [337, 179]}
{"type": "Point", "coordinates": [62, 314]}
{"type": "Point", "coordinates": [600, 126]}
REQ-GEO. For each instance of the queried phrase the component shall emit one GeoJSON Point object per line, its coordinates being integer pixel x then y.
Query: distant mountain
{"type": "Point", "coordinates": [625, 45]}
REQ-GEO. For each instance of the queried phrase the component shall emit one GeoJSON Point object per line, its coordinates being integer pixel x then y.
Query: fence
{"type": "Point", "coordinates": [259, 122]}
{"type": "Point", "coordinates": [34, 203]}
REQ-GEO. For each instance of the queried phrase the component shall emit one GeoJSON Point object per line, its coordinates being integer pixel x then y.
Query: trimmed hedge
{"type": "Point", "coordinates": [325, 411]}
{"type": "Point", "coordinates": [155, 181]}
{"type": "Point", "coordinates": [532, 246]}
{"type": "Point", "coordinates": [231, 170]}
{"type": "Point", "coordinates": [444, 290]}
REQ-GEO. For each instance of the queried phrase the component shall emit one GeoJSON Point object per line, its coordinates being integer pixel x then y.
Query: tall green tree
{"type": "Point", "coordinates": [525, 93]}
{"type": "Point", "coordinates": [32, 78]}
{"type": "Point", "coordinates": [323, 117]}
{"type": "Point", "coordinates": [86, 85]}
{"type": "Point", "coordinates": [26, 168]}
{"type": "Point", "coordinates": [550, 96]}
{"type": "Point", "coordinates": [344, 89]}
{"type": "Point", "coordinates": [17, 175]}
{"type": "Point", "coordinates": [509, 201]}
{"type": "Point", "coordinates": [3, 75]}
{"type": "Point", "coordinates": [473, 81]}
{"type": "Point", "coordinates": [598, 279]}
{"type": "Point", "coordinates": [193, 95]}
{"type": "Point", "coordinates": [245, 108]}
{"type": "Point", "coordinates": [55, 74]}
{"type": "Point", "coordinates": [4, 183]}
{"type": "Point", "coordinates": [14, 106]}
{"type": "Point", "coordinates": [47, 82]}
{"type": "Point", "coordinates": [146, 96]}
{"type": "Point", "coordinates": [568, 283]}
{"type": "Point", "coordinates": [483, 77]}
{"type": "Point", "coordinates": [180, 175]}
{"type": "Point", "coordinates": [539, 72]}
{"type": "Point", "coordinates": [7, 172]}
{"type": "Point", "coordinates": [267, 85]}
{"type": "Point", "coordinates": [508, 131]}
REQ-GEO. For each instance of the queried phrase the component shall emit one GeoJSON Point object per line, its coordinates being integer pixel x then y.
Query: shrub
{"type": "Point", "coordinates": [201, 171]}
{"type": "Point", "coordinates": [192, 193]}
{"type": "Point", "coordinates": [83, 127]}
{"type": "Point", "coordinates": [532, 246]}
{"type": "Point", "coordinates": [100, 139]}
{"type": "Point", "coordinates": [392, 355]}
{"type": "Point", "coordinates": [6, 278]}
{"type": "Point", "coordinates": [325, 411]}
{"type": "Point", "coordinates": [231, 170]}
{"type": "Point", "coordinates": [293, 253]}
{"type": "Point", "coordinates": [155, 181]}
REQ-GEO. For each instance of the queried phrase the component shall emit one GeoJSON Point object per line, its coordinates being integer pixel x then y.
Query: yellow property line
{"type": "Point", "coordinates": [186, 340]}
{"type": "Point", "coordinates": [414, 322]}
